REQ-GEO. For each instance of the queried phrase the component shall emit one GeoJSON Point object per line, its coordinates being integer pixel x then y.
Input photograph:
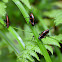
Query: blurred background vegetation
{"type": "Point", "coordinates": [46, 9]}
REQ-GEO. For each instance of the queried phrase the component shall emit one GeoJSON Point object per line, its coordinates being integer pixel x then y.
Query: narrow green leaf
{"type": "Point", "coordinates": [1, 21]}
{"type": "Point", "coordinates": [9, 42]}
{"type": "Point", "coordinates": [22, 9]}
{"type": "Point", "coordinates": [13, 40]}
{"type": "Point", "coordinates": [26, 2]}
{"type": "Point", "coordinates": [20, 41]}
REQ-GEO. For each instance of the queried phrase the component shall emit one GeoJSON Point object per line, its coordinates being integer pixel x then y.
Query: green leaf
{"type": "Point", "coordinates": [14, 33]}
{"type": "Point", "coordinates": [2, 9]}
{"type": "Point", "coordinates": [34, 55]}
{"type": "Point", "coordinates": [20, 41]}
{"type": "Point", "coordinates": [9, 42]}
{"type": "Point", "coordinates": [32, 49]}
{"type": "Point", "coordinates": [58, 38]}
{"type": "Point", "coordinates": [25, 55]}
{"type": "Point", "coordinates": [14, 41]}
{"type": "Point", "coordinates": [1, 21]}
{"type": "Point", "coordinates": [26, 2]}
{"type": "Point", "coordinates": [22, 60]}
{"type": "Point", "coordinates": [49, 48]}
{"type": "Point", "coordinates": [22, 9]}
{"type": "Point", "coordinates": [56, 14]}
{"type": "Point", "coordinates": [51, 41]}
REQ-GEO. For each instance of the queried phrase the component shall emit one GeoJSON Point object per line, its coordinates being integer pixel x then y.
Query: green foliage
{"type": "Point", "coordinates": [59, 4]}
{"type": "Point", "coordinates": [58, 38]}
{"type": "Point", "coordinates": [26, 2]}
{"type": "Point", "coordinates": [51, 41]}
{"type": "Point", "coordinates": [21, 42]}
{"type": "Point", "coordinates": [2, 9]}
{"type": "Point", "coordinates": [57, 15]}
{"type": "Point", "coordinates": [17, 37]}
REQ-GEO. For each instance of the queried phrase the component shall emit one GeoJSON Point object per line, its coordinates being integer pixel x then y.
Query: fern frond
{"type": "Point", "coordinates": [58, 38]}
{"type": "Point", "coordinates": [25, 55]}
{"type": "Point", "coordinates": [56, 14]}
{"type": "Point", "coordinates": [49, 40]}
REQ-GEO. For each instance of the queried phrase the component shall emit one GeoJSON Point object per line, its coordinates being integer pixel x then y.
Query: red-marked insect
{"type": "Point", "coordinates": [44, 33]}
{"type": "Point", "coordinates": [31, 19]}
{"type": "Point", "coordinates": [7, 21]}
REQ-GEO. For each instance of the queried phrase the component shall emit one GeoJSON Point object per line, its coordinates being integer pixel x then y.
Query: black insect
{"type": "Point", "coordinates": [43, 34]}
